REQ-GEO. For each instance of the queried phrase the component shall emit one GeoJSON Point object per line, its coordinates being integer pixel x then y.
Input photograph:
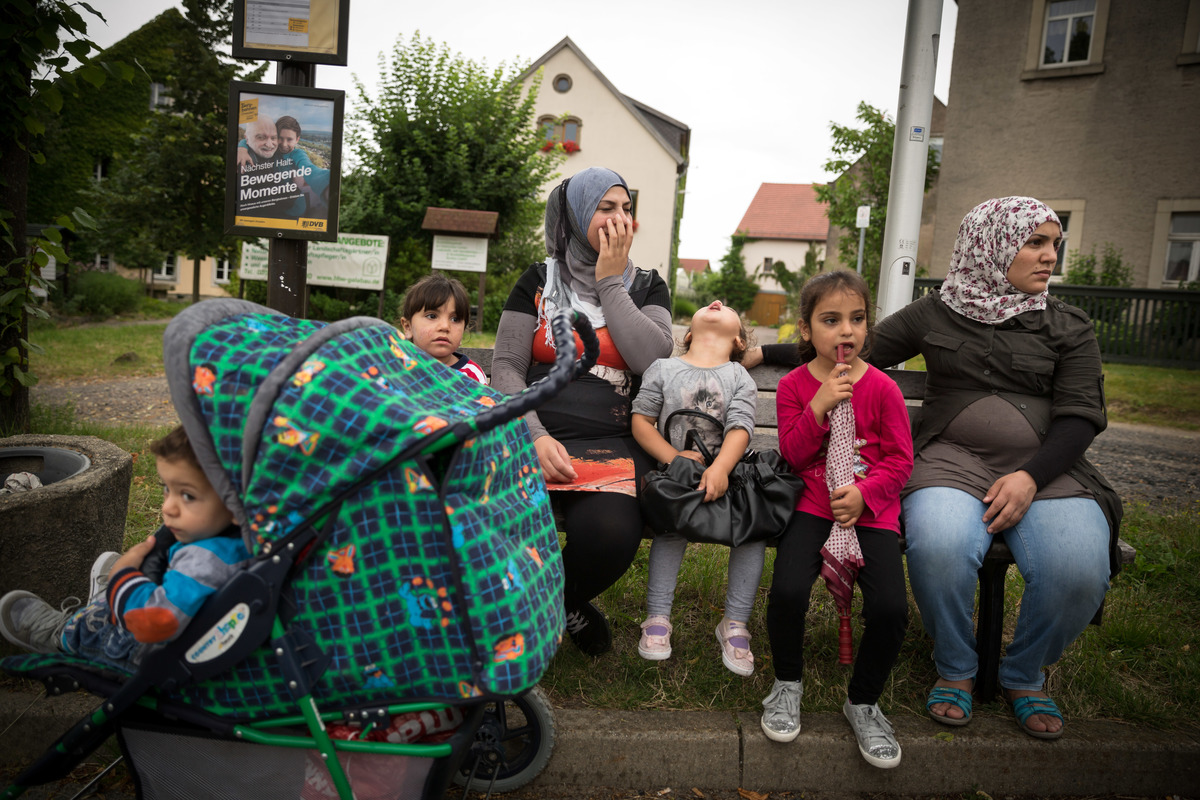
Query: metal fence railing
{"type": "Point", "coordinates": [1160, 327]}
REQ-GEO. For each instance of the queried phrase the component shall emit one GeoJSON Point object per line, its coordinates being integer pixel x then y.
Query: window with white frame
{"type": "Point", "coordinates": [103, 262]}
{"type": "Point", "coordinates": [1070, 25]}
{"type": "Point", "coordinates": [1066, 38]}
{"type": "Point", "coordinates": [166, 271]}
{"type": "Point", "coordinates": [1183, 248]}
{"type": "Point", "coordinates": [222, 268]}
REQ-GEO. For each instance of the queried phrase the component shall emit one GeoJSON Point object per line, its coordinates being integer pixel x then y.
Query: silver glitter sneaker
{"type": "Point", "coordinates": [876, 736]}
{"type": "Point", "coordinates": [781, 711]}
{"type": "Point", "coordinates": [30, 622]}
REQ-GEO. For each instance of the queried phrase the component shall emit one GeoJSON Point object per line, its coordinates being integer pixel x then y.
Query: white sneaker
{"type": "Point", "coordinates": [781, 711]}
{"type": "Point", "coordinates": [876, 736]}
{"type": "Point", "coordinates": [100, 569]}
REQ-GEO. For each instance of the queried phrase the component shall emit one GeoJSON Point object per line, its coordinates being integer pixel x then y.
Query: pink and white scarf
{"type": "Point", "coordinates": [989, 238]}
{"type": "Point", "coordinates": [841, 556]}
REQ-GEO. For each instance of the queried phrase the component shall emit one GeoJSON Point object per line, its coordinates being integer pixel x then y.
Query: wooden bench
{"type": "Point", "coordinates": [989, 628]}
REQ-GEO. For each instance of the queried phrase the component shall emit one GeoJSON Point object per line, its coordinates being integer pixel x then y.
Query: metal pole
{"type": "Point", "coordinates": [898, 266]}
{"type": "Point", "coordinates": [287, 259]}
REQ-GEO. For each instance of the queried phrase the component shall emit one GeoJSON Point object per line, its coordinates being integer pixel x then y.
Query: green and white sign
{"type": "Point", "coordinates": [465, 253]}
{"type": "Point", "coordinates": [355, 260]}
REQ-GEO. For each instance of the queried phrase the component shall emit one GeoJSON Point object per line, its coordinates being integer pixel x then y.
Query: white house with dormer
{"type": "Point", "coordinates": [598, 126]}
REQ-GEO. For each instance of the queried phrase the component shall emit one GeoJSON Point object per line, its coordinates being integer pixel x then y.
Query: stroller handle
{"type": "Point", "coordinates": [565, 370]}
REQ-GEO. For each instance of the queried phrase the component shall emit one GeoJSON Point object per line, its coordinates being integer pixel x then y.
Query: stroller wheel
{"type": "Point", "coordinates": [512, 745]}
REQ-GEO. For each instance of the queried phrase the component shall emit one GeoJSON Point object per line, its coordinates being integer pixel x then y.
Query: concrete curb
{"type": "Point", "coordinates": [652, 750]}
{"type": "Point", "coordinates": [655, 749]}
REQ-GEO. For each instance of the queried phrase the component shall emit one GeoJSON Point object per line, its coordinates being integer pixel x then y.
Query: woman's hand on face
{"type": "Point", "coordinates": [1010, 497]}
{"type": "Point", "coordinates": [554, 460]}
{"type": "Point", "coordinates": [616, 237]}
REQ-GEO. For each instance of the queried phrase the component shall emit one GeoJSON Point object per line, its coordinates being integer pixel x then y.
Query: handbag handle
{"type": "Point", "coordinates": [692, 440]}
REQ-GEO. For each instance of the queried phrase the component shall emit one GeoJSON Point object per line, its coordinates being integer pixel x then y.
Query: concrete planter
{"type": "Point", "coordinates": [50, 536]}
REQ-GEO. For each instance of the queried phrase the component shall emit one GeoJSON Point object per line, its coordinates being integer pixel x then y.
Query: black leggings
{"type": "Point", "coordinates": [604, 530]}
{"type": "Point", "coordinates": [885, 603]}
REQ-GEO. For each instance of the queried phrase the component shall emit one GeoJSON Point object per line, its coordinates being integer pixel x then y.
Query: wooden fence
{"type": "Point", "coordinates": [1159, 327]}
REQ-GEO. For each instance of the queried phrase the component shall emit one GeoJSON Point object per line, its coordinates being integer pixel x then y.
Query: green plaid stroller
{"type": "Point", "coordinates": [406, 574]}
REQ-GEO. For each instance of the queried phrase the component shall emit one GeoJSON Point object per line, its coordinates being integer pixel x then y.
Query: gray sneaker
{"type": "Point", "coordinates": [781, 711]}
{"type": "Point", "coordinates": [100, 569]}
{"type": "Point", "coordinates": [876, 736]}
{"type": "Point", "coordinates": [30, 622]}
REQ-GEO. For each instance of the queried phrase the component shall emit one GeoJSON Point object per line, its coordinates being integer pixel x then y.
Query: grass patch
{"type": "Point", "coordinates": [88, 353]}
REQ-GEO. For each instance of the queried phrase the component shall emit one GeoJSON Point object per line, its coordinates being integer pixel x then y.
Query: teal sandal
{"type": "Point", "coordinates": [959, 698]}
{"type": "Point", "coordinates": [1026, 707]}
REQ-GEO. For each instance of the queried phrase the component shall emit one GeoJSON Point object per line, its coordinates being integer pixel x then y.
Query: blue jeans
{"type": "Point", "coordinates": [92, 634]}
{"type": "Point", "coordinates": [1061, 550]}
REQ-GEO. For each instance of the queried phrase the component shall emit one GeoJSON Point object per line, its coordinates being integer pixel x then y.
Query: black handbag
{"type": "Point", "coordinates": [757, 505]}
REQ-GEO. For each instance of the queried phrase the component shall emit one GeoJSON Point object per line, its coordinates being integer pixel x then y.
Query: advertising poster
{"type": "Point", "coordinates": [283, 161]}
{"type": "Point", "coordinates": [313, 31]}
{"type": "Point", "coordinates": [355, 260]}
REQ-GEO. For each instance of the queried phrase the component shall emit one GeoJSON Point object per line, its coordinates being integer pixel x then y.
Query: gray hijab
{"type": "Point", "coordinates": [567, 244]}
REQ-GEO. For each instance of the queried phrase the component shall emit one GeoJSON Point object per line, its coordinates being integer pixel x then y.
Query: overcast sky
{"type": "Point", "coordinates": [757, 81]}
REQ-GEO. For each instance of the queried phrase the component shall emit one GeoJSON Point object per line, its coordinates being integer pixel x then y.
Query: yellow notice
{"type": "Point", "coordinates": [297, 25]}
{"type": "Point", "coordinates": [247, 111]}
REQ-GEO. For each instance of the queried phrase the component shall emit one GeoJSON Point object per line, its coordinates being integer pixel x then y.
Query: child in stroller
{"type": "Point", "coordinates": [204, 547]}
{"type": "Point", "coordinates": [404, 559]}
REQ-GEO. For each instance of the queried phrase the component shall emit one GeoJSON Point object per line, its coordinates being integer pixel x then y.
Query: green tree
{"type": "Point", "coordinates": [168, 194]}
{"type": "Point", "coordinates": [39, 39]}
{"type": "Point", "coordinates": [447, 132]}
{"type": "Point", "coordinates": [862, 157]}
{"type": "Point", "coordinates": [1109, 269]}
{"type": "Point", "coordinates": [730, 285]}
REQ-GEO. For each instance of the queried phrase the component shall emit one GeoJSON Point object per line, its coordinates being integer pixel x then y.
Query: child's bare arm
{"type": "Point", "coordinates": [715, 480]}
{"type": "Point", "coordinates": [645, 432]}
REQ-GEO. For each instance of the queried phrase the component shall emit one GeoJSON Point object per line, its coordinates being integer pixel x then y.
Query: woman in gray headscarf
{"type": "Point", "coordinates": [583, 437]}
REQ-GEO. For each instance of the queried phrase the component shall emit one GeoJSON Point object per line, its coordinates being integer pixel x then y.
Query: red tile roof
{"type": "Point", "coordinates": [694, 264]}
{"type": "Point", "coordinates": [785, 211]}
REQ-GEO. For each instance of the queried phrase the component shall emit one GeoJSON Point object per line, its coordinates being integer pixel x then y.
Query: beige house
{"type": "Point", "coordinates": [784, 222]}
{"type": "Point", "coordinates": [173, 278]}
{"type": "Point", "coordinates": [600, 127]}
{"type": "Point", "coordinates": [1092, 106]}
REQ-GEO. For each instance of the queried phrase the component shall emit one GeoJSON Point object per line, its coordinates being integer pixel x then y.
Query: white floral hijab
{"type": "Point", "coordinates": [989, 238]}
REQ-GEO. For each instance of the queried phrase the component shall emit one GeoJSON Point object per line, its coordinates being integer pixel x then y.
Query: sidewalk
{"type": "Point", "coordinates": [648, 751]}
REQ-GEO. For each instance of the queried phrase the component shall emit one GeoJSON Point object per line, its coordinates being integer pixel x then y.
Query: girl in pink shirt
{"type": "Point", "coordinates": [834, 324]}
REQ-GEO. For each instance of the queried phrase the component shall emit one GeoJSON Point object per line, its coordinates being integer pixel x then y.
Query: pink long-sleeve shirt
{"type": "Point", "coordinates": [882, 439]}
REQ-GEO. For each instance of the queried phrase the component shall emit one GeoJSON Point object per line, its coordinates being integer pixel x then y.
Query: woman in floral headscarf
{"type": "Point", "coordinates": [583, 437]}
{"type": "Point", "coordinates": [1013, 398]}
